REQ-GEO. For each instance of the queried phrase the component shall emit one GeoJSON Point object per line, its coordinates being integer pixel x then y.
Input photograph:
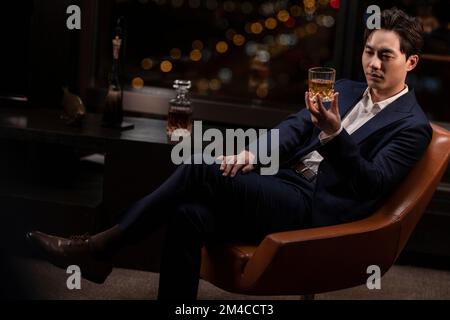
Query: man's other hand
{"type": "Point", "coordinates": [231, 165]}
{"type": "Point", "coordinates": [329, 121]}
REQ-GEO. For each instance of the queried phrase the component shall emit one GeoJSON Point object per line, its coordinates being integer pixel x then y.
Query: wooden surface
{"type": "Point", "coordinates": [45, 125]}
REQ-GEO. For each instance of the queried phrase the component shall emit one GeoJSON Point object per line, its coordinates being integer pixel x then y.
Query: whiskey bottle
{"type": "Point", "coordinates": [113, 109]}
{"type": "Point", "coordinates": [180, 110]}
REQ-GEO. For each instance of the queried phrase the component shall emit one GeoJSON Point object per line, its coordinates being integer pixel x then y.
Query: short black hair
{"type": "Point", "coordinates": [408, 28]}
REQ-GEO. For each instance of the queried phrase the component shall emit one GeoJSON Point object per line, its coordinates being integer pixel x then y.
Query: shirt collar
{"type": "Point", "coordinates": [382, 104]}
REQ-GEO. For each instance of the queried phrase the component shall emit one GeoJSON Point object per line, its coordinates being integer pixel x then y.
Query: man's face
{"type": "Point", "coordinates": [385, 66]}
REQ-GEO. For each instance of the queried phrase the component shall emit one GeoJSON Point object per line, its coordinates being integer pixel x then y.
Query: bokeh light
{"type": "Point", "coordinates": [195, 55]}
{"type": "Point", "coordinates": [175, 53]}
{"type": "Point", "coordinates": [335, 4]}
{"type": "Point", "coordinates": [166, 66]}
{"type": "Point", "coordinates": [267, 9]}
{"type": "Point", "coordinates": [256, 28]}
{"type": "Point", "coordinates": [250, 48]}
{"type": "Point", "coordinates": [263, 56]}
{"type": "Point", "coordinates": [137, 83]}
{"type": "Point", "coordinates": [310, 6]}
{"type": "Point", "coordinates": [202, 86]}
{"type": "Point", "coordinates": [311, 28]}
{"type": "Point", "coordinates": [238, 39]}
{"type": "Point", "coordinates": [215, 84]}
{"type": "Point", "coordinates": [290, 23]}
{"type": "Point", "coordinates": [309, 3]}
{"type": "Point", "coordinates": [225, 74]}
{"type": "Point", "coordinates": [247, 27]}
{"type": "Point", "coordinates": [147, 63]}
{"type": "Point", "coordinates": [262, 91]}
{"type": "Point", "coordinates": [271, 23]}
{"type": "Point", "coordinates": [328, 21]}
{"type": "Point", "coordinates": [221, 47]}
{"type": "Point", "coordinates": [283, 15]}
{"type": "Point", "coordinates": [229, 6]}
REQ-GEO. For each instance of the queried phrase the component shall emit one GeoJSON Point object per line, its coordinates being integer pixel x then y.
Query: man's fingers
{"type": "Point", "coordinates": [307, 99]}
{"type": "Point", "coordinates": [320, 106]}
{"type": "Point", "coordinates": [226, 161]}
{"type": "Point", "coordinates": [249, 167]}
{"type": "Point", "coordinates": [230, 162]}
{"type": "Point", "coordinates": [335, 104]}
{"type": "Point", "coordinates": [310, 102]}
{"type": "Point", "coordinates": [235, 169]}
{"type": "Point", "coordinates": [231, 165]}
{"type": "Point", "coordinates": [314, 110]}
{"type": "Point", "coordinates": [227, 169]}
{"type": "Point", "coordinates": [219, 159]}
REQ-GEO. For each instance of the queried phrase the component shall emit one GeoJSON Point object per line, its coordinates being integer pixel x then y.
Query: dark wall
{"type": "Point", "coordinates": [54, 53]}
{"type": "Point", "coordinates": [15, 19]}
{"type": "Point", "coordinates": [39, 53]}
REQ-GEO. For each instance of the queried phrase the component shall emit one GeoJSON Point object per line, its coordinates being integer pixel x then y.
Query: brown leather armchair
{"type": "Point", "coordinates": [305, 262]}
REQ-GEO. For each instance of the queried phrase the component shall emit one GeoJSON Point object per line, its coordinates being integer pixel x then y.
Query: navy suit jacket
{"type": "Point", "coordinates": [361, 169]}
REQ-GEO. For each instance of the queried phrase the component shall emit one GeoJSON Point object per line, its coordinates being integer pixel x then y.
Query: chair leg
{"type": "Point", "coordinates": [307, 297]}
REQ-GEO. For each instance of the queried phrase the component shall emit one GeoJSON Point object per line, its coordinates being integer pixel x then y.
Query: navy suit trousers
{"type": "Point", "coordinates": [199, 205]}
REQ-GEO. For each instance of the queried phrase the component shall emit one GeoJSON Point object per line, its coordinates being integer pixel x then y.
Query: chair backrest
{"type": "Point", "coordinates": [410, 199]}
{"type": "Point", "coordinates": [299, 261]}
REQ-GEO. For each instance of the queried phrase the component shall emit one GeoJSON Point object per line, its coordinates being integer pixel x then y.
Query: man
{"type": "Point", "coordinates": [333, 171]}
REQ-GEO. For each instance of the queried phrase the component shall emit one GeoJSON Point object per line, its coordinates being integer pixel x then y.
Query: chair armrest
{"type": "Point", "coordinates": [321, 259]}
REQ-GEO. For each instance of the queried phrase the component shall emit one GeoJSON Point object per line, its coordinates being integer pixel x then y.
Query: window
{"type": "Point", "coordinates": [232, 51]}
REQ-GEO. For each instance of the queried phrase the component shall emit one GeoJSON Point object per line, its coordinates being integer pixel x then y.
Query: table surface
{"type": "Point", "coordinates": [45, 125]}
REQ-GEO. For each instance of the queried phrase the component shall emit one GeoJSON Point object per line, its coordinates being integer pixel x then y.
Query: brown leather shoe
{"type": "Point", "coordinates": [76, 250]}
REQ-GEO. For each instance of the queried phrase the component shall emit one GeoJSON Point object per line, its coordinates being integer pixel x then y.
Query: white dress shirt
{"type": "Point", "coordinates": [362, 112]}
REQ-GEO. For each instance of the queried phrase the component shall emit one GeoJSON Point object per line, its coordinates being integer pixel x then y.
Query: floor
{"type": "Point", "coordinates": [42, 280]}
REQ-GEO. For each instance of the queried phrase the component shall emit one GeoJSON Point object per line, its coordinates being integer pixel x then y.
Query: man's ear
{"type": "Point", "coordinates": [412, 62]}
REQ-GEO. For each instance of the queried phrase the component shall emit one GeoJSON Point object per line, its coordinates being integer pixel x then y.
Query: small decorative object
{"type": "Point", "coordinates": [73, 108]}
{"type": "Point", "coordinates": [113, 109]}
{"type": "Point", "coordinates": [180, 110]}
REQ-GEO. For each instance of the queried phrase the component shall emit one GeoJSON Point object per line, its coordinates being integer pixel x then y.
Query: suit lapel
{"type": "Point", "coordinates": [349, 98]}
{"type": "Point", "coordinates": [397, 110]}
